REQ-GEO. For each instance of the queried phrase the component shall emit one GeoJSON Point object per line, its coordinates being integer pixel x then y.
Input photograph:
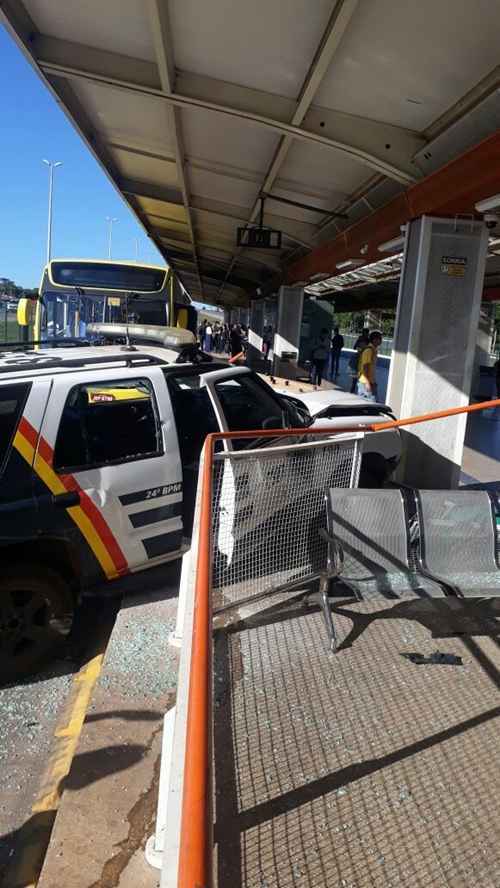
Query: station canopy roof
{"type": "Point", "coordinates": [348, 117]}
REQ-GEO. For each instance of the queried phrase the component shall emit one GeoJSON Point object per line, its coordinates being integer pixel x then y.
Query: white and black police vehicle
{"type": "Point", "coordinates": [99, 455]}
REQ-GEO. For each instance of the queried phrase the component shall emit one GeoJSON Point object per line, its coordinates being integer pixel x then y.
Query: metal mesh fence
{"type": "Point", "coordinates": [268, 507]}
{"type": "Point", "coordinates": [10, 331]}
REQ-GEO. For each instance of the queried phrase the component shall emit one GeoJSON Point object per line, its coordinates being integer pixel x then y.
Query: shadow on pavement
{"type": "Point", "coordinates": [28, 844]}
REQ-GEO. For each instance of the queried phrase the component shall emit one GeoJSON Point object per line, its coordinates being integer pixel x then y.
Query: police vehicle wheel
{"type": "Point", "coordinates": [36, 612]}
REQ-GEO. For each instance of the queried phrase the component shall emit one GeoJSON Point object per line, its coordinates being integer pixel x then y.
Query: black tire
{"type": "Point", "coordinates": [36, 613]}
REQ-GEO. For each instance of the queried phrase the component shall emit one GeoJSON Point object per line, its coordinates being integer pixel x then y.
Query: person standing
{"type": "Point", "coordinates": [208, 338]}
{"type": "Point", "coordinates": [359, 345]}
{"type": "Point", "coordinates": [267, 343]}
{"type": "Point", "coordinates": [236, 340]}
{"type": "Point", "coordinates": [216, 337]}
{"type": "Point", "coordinates": [336, 346]}
{"type": "Point", "coordinates": [367, 368]}
{"type": "Point", "coordinates": [320, 357]}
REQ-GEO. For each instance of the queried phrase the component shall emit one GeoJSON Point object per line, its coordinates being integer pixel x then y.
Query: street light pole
{"type": "Point", "coordinates": [51, 165]}
{"type": "Point", "coordinates": [110, 221]}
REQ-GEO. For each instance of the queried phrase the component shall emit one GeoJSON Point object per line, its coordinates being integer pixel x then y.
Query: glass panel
{"type": "Point", "coordinates": [12, 400]}
{"type": "Point", "coordinates": [107, 423]}
{"type": "Point", "coordinates": [248, 405]}
{"type": "Point", "coordinates": [108, 276]}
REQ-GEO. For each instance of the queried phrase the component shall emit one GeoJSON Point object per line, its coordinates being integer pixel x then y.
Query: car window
{"type": "Point", "coordinates": [12, 400]}
{"type": "Point", "coordinates": [248, 405]}
{"type": "Point", "coordinates": [108, 423]}
{"type": "Point", "coordinates": [193, 411]}
{"type": "Point", "coordinates": [298, 414]}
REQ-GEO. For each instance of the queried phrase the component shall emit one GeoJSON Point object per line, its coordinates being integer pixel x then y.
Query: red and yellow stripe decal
{"type": "Point", "coordinates": [87, 517]}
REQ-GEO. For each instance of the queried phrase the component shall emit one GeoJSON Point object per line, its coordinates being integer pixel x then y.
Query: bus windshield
{"type": "Point", "coordinates": [68, 315]}
{"type": "Point", "coordinates": [76, 293]}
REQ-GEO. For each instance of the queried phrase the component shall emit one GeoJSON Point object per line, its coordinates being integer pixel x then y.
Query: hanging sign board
{"type": "Point", "coordinates": [259, 238]}
{"type": "Point", "coordinates": [453, 266]}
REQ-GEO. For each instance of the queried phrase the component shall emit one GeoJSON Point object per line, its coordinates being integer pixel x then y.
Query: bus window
{"type": "Point", "coordinates": [76, 293]}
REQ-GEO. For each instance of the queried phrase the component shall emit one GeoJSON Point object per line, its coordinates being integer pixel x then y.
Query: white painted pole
{"type": "Point", "coordinates": [110, 220]}
{"type": "Point", "coordinates": [51, 165]}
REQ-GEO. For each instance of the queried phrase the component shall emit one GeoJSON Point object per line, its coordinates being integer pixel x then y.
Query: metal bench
{"type": "Point", "coordinates": [458, 541]}
{"type": "Point", "coordinates": [372, 529]}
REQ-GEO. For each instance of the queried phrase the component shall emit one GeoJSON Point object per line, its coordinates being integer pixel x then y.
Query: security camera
{"type": "Point", "coordinates": [491, 219]}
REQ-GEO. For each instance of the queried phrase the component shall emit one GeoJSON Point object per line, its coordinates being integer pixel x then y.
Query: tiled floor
{"type": "Point", "coordinates": [359, 768]}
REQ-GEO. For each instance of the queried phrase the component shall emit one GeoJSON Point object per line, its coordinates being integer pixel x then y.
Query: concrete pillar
{"type": "Point", "coordinates": [434, 343]}
{"type": "Point", "coordinates": [287, 336]}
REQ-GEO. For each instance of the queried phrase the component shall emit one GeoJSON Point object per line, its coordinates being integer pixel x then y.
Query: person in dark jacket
{"type": "Point", "coordinates": [320, 357]}
{"type": "Point", "coordinates": [336, 346]}
{"type": "Point", "coordinates": [236, 340]}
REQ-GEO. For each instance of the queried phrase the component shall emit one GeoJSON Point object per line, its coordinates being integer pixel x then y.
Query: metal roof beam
{"type": "Point", "coordinates": [339, 19]}
{"type": "Point", "coordinates": [160, 27]}
{"type": "Point", "coordinates": [291, 228]}
{"type": "Point", "coordinates": [454, 189]}
{"type": "Point", "coordinates": [465, 105]}
{"type": "Point", "coordinates": [24, 33]}
{"type": "Point", "coordinates": [172, 237]}
{"type": "Point", "coordinates": [237, 174]}
{"type": "Point", "coordinates": [355, 147]}
{"type": "Point", "coordinates": [341, 15]}
{"type": "Point", "coordinates": [208, 245]}
{"type": "Point", "coordinates": [165, 193]}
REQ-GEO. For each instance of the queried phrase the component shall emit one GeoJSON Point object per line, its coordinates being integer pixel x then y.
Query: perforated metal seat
{"type": "Point", "coordinates": [458, 540]}
{"type": "Point", "coordinates": [371, 527]}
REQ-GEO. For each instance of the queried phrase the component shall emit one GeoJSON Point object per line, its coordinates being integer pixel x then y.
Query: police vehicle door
{"type": "Point", "coordinates": [112, 444]}
{"type": "Point", "coordinates": [242, 402]}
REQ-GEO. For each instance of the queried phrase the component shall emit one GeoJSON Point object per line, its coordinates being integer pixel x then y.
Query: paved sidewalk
{"type": "Point", "coordinates": [108, 807]}
{"type": "Point", "coordinates": [361, 768]}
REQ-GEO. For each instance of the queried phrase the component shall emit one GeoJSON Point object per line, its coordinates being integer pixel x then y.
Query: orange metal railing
{"type": "Point", "coordinates": [195, 853]}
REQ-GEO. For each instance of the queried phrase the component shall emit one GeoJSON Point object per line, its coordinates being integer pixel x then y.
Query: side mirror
{"type": "Point", "coordinates": [25, 312]}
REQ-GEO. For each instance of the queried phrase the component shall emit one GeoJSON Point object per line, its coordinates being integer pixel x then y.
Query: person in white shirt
{"type": "Point", "coordinates": [208, 338]}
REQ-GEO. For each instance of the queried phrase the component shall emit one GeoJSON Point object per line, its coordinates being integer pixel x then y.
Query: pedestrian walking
{"type": "Point", "coordinates": [236, 340]}
{"type": "Point", "coordinates": [267, 348]}
{"type": "Point", "coordinates": [320, 357]}
{"type": "Point", "coordinates": [227, 339]}
{"type": "Point", "coordinates": [367, 368]}
{"type": "Point", "coordinates": [359, 345]}
{"type": "Point", "coordinates": [208, 338]}
{"type": "Point", "coordinates": [336, 346]}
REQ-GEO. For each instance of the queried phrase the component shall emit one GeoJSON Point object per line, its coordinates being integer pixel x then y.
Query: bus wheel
{"type": "Point", "coordinates": [36, 612]}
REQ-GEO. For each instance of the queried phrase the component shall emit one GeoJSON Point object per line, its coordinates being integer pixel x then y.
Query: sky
{"type": "Point", "coordinates": [32, 128]}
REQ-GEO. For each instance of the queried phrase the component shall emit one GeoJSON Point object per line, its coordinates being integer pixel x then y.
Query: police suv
{"type": "Point", "coordinates": [99, 452]}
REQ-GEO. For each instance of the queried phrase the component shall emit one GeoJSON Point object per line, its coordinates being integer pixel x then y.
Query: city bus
{"type": "Point", "coordinates": [82, 298]}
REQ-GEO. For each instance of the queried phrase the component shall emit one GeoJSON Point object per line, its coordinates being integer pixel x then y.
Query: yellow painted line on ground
{"type": "Point", "coordinates": [67, 733]}
{"type": "Point", "coordinates": [35, 834]}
